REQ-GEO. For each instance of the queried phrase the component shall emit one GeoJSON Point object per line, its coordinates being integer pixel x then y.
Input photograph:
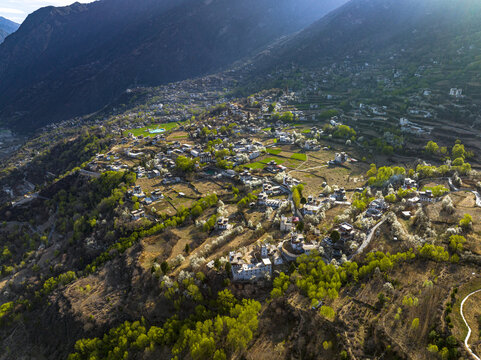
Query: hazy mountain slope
{"type": "Point", "coordinates": [73, 60]}
{"type": "Point", "coordinates": [363, 29]}
{"type": "Point", "coordinates": [6, 28]}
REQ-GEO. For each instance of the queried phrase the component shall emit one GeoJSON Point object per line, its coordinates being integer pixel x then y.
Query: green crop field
{"type": "Point", "coordinates": [262, 163]}
{"type": "Point", "coordinates": [301, 157]}
{"type": "Point", "coordinates": [255, 165]}
{"type": "Point", "coordinates": [274, 151]}
{"type": "Point", "coordinates": [269, 159]}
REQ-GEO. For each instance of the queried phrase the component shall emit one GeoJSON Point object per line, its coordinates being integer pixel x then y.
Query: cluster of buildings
{"type": "Point", "coordinates": [410, 127]}
{"type": "Point", "coordinates": [137, 192]}
{"type": "Point", "coordinates": [339, 159]}
{"type": "Point", "coordinates": [255, 265]}
{"type": "Point", "coordinates": [376, 209]}
{"type": "Point", "coordinates": [296, 246]}
{"type": "Point", "coordinates": [457, 93]}
{"type": "Point", "coordinates": [284, 138]}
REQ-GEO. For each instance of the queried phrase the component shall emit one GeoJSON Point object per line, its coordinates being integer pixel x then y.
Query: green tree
{"type": "Point", "coordinates": [164, 266]}
{"type": "Point", "coordinates": [458, 162]}
{"type": "Point", "coordinates": [456, 243]}
{"type": "Point", "coordinates": [327, 312]}
{"type": "Point", "coordinates": [228, 268]}
{"type": "Point", "coordinates": [466, 222]}
{"type": "Point", "coordinates": [344, 131]}
{"type": "Point", "coordinates": [431, 148]}
{"type": "Point", "coordinates": [225, 301]}
{"type": "Point", "coordinates": [458, 151]}
{"type": "Point", "coordinates": [432, 348]}
{"type": "Point", "coordinates": [196, 211]}
{"type": "Point", "coordinates": [219, 355]}
{"type": "Point", "coordinates": [391, 198]}
{"type": "Point", "coordinates": [296, 198]}
{"type": "Point", "coordinates": [287, 117]}
{"type": "Point", "coordinates": [335, 236]}
{"type": "Point", "coordinates": [184, 164]}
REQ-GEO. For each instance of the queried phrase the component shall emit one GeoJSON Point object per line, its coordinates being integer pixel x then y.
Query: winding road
{"type": "Point", "coordinates": [366, 242]}
{"type": "Point", "coordinates": [478, 198]}
{"type": "Point", "coordinates": [467, 325]}
{"type": "Point", "coordinates": [476, 193]}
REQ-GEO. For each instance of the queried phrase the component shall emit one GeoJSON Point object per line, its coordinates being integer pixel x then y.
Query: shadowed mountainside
{"type": "Point", "coordinates": [73, 60]}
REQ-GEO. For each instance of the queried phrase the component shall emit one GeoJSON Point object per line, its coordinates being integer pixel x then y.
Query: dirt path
{"type": "Point", "coordinates": [297, 168]}
{"type": "Point", "coordinates": [474, 356]}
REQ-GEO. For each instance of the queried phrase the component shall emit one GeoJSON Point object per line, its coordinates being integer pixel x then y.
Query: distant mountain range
{"type": "Point", "coordinates": [69, 61]}
{"type": "Point", "coordinates": [6, 28]}
{"type": "Point", "coordinates": [73, 60]}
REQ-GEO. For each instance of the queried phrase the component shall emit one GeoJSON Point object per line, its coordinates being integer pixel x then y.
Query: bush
{"type": "Point", "coordinates": [415, 323]}
{"type": "Point", "coordinates": [433, 252]}
{"type": "Point", "coordinates": [456, 243]}
{"type": "Point", "coordinates": [327, 312]}
{"type": "Point", "coordinates": [466, 223]}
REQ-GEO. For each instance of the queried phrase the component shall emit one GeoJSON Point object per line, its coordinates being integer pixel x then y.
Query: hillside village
{"type": "Point", "coordinates": [238, 147]}
{"type": "Point", "coordinates": [246, 192]}
{"type": "Point", "coordinates": [254, 180]}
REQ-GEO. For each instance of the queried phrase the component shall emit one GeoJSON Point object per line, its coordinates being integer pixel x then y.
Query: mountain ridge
{"type": "Point", "coordinates": [6, 28]}
{"type": "Point", "coordinates": [145, 42]}
{"type": "Point", "coordinates": [361, 26]}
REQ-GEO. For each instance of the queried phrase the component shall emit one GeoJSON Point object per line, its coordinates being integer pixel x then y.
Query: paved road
{"type": "Point", "coordinates": [455, 189]}
{"type": "Point", "coordinates": [451, 185]}
{"type": "Point", "coordinates": [478, 198]}
{"type": "Point", "coordinates": [473, 355]}
{"type": "Point", "coordinates": [368, 238]}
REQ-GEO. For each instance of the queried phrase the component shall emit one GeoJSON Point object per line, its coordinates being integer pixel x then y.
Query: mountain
{"type": "Point", "coordinates": [6, 28]}
{"type": "Point", "coordinates": [73, 60]}
{"type": "Point", "coordinates": [403, 55]}
{"type": "Point", "coordinates": [370, 29]}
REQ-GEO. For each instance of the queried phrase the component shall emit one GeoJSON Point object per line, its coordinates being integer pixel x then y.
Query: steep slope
{"type": "Point", "coordinates": [369, 29]}
{"type": "Point", "coordinates": [73, 60]}
{"type": "Point", "coordinates": [387, 53]}
{"type": "Point", "coordinates": [6, 28]}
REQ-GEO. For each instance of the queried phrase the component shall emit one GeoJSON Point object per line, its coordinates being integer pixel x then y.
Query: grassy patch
{"type": "Point", "coordinates": [145, 130]}
{"type": "Point", "coordinates": [274, 151]}
{"type": "Point", "coordinates": [266, 129]}
{"type": "Point", "coordinates": [262, 163]}
{"type": "Point", "coordinates": [269, 159]}
{"type": "Point", "coordinates": [301, 157]}
{"type": "Point", "coordinates": [255, 165]}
